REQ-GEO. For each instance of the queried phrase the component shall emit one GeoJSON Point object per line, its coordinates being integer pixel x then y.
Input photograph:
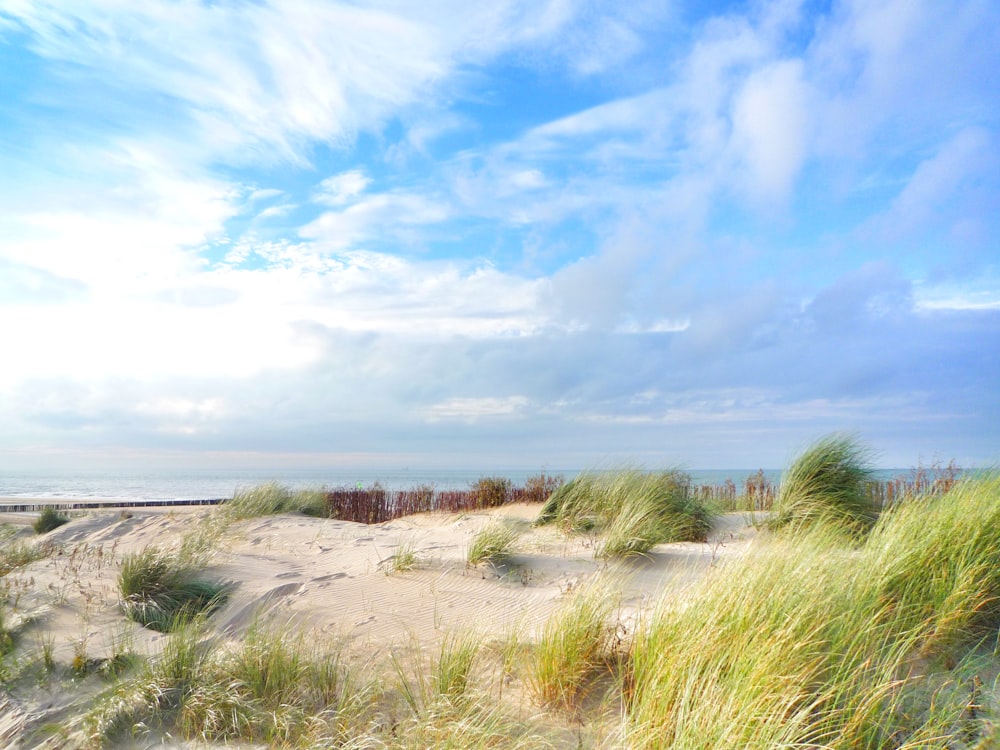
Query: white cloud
{"type": "Point", "coordinates": [263, 194]}
{"type": "Point", "coordinates": [895, 68]}
{"type": "Point", "coordinates": [181, 408]}
{"type": "Point", "coordinates": [383, 214]}
{"type": "Point", "coordinates": [664, 325]}
{"type": "Point", "coordinates": [474, 409]}
{"type": "Point", "coordinates": [770, 126]}
{"type": "Point", "coordinates": [342, 188]}
{"type": "Point", "coordinates": [982, 293]}
{"type": "Point", "coordinates": [270, 78]}
{"type": "Point", "coordinates": [274, 211]}
{"type": "Point", "coordinates": [528, 179]}
{"type": "Point", "coordinates": [252, 75]}
{"type": "Point", "coordinates": [938, 181]}
{"type": "Point", "coordinates": [143, 223]}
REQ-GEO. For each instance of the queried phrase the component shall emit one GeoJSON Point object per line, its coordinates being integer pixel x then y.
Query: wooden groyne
{"type": "Point", "coordinates": [38, 507]}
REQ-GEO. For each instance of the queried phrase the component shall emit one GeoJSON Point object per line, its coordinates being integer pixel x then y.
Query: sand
{"type": "Point", "coordinates": [323, 576]}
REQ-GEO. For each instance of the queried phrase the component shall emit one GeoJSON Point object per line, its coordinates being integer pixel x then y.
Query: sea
{"type": "Point", "coordinates": [201, 484]}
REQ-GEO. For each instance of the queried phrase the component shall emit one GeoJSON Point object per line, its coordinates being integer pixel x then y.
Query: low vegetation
{"type": "Point", "coordinates": [492, 492]}
{"type": "Point", "coordinates": [827, 483]}
{"type": "Point", "coordinates": [17, 554]}
{"type": "Point", "coordinates": [403, 559]}
{"type": "Point", "coordinates": [160, 592]}
{"type": "Point", "coordinates": [273, 498]}
{"type": "Point", "coordinates": [49, 519]}
{"type": "Point", "coordinates": [376, 504]}
{"type": "Point", "coordinates": [271, 688]}
{"type": "Point", "coordinates": [634, 509]}
{"type": "Point", "coordinates": [575, 647]}
{"type": "Point", "coordinates": [493, 542]}
{"type": "Point", "coordinates": [815, 642]}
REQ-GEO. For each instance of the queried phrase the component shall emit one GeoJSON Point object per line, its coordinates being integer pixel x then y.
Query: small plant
{"type": "Point", "coordinates": [159, 594]}
{"type": "Point", "coordinates": [453, 670]}
{"type": "Point", "coordinates": [19, 554]}
{"type": "Point", "coordinates": [492, 492]}
{"type": "Point", "coordinates": [6, 637]}
{"type": "Point", "coordinates": [539, 488]}
{"type": "Point", "coordinates": [509, 653]}
{"type": "Point", "coordinates": [273, 498]}
{"type": "Point", "coordinates": [47, 646]}
{"type": "Point", "coordinates": [49, 519]}
{"type": "Point", "coordinates": [575, 645]}
{"type": "Point", "coordinates": [827, 482]}
{"type": "Point", "coordinates": [404, 559]}
{"type": "Point", "coordinates": [271, 688]}
{"type": "Point", "coordinates": [658, 510]}
{"type": "Point", "coordinates": [81, 664]}
{"type": "Point", "coordinates": [493, 542]}
{"type": "Point", "coordinates": [123, 655]}
{"type": "Point", "coordinates": [636, 509]}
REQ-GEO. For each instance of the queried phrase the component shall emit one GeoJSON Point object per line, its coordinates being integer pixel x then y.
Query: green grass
{"type": "Point", "coordinates": [454, 667]}
{"type": "Point", "coordinates": [634, 509]}
{"type": "Point", "coordinates": [828, 482]}
{"type": "Point", "coordinates": [160, 593]}
{"type": "Point", "coordinates": [49, 519]}
{"type": "Point", "coordinates": [404, 559]}
{"type": "Point", "coordinates": [18, 554]}
{"type": "Point", "coordinates": [272, 498]}
{"type": "Point", "coordinates": [270, 687]}
{"type": "Point", "coordinates": [815, 641]}
{"type": "Point", "coordinates": [493, 542]}
{"type": "Point", "coordinates": [575, 646]}
{"type": "Point", "coordinates": [6, 636]}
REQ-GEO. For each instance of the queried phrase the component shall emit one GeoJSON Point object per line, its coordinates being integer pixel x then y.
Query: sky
{"type": "Point", "coordinates": [550, 233]}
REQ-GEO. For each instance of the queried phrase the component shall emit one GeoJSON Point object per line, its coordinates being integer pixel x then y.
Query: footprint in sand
{"type": "Point", "coordinates": [328, 577]}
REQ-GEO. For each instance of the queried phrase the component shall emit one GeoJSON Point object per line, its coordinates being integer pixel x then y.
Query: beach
{"type": "Point", "coordinates": [579, 621]}
{"type": "Point", "coordinates": [326, 578]}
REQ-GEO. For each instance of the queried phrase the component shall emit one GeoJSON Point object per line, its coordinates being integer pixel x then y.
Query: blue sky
{"type": "Point", "coordinates": [499, 234]}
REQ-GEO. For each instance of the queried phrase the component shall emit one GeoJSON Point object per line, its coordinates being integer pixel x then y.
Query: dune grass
{"type": "Point", "coordinates": [447, 701]}
{"type": "Point", "coordinates": [404, 559]}
{"type": "Point", "coordinates": [575, 646]}
{"type": "Point", "coordinates": [494, 542]}
{"type": "Point", "coordinates": [160, 592]}
{"type": "Point", "coordinates": [937, 561]}
{"type": "Point", "coordinates": [635, 509]}
{"type": "Point", "coordinates": [18, 554]}
{"type": "Point", "coordinates": [818, 641]}
{"type": "Point", "coordinates": [271, 687]}
{"type": "Point", "coordinates": [49, 519]}
{"type": "Point", "coordinates": [827, 482]}
{"type": "Point", "coordinates": [277, 689]}
{"type": "Point", "coordinates": [273, 498]}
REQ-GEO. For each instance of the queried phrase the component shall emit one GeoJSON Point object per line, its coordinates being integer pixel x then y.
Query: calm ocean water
{"type": "Point", "coordinates": [203, 483]}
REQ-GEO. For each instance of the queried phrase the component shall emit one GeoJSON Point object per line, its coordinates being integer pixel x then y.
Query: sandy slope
{"type": "Point", "coordinates": [332, 577]}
